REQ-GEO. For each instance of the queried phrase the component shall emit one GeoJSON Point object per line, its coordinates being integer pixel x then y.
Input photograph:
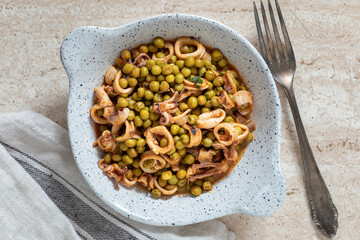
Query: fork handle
{"type": "Point", "coordinates": [323, 210]}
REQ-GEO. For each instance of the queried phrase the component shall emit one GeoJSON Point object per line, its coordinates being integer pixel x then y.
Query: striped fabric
{"type": "Point", "coordinates": [43, 195]}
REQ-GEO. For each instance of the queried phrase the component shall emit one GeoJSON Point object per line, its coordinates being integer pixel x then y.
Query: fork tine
{"type": "Point", "coordinates": [267, 31]}
{"type": "Point", "coordinates": [277, 44]}
{"type": "Point", "coordinates": [288, 47]}
{"type": "Point", "coordinates": [260, 35]}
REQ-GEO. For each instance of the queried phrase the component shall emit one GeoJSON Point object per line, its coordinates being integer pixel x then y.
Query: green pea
{"type": "Point", "coordinates": [149, 95]}
{"type": "Point", "coordinates": [189, 159]}
{"type": "Point", "coordinates": [182, 131]}
{"type": "Point", "coordinates": [136, 164]}
{"type": "Point", "coordinates": [162, 182]}
{"type": "Point", "coordinates": [123, 147]}
{"type": "Point", "coordinates": [196, 111]}
{"type": "Point", "coordinates": [144, 71]}
{"type": "Point", "coordinates": [207, 64]}
{"type": "Point", "coordinates": [127, 159]}
{"type": "Point", "coordinates": [209, 75]}
{"type": "Point", "coordinates": [175, 69]}
{"type": "Point", "coordinates": [178, 87]}
{"type": "Point", "coordinates": [166, 97]}
{"type": "Point", "coordinates": [138, 121]}
{"type": "Point", "coordinates": [175, 157]}
{"type": "Point", "coordinates": [159, 42]}
{"type": "Point", "coordinates": [166, 175]}
{"type": "Point", "coordinates": [160, 78]}
{"type": "Point", "coordinates": [204, 110]}
{"type": "Point", "coordinates": [132, 82]}
{"type": "Point", "coordinates": [172, 151]}
{"type": "Point", "coordinates": [137, 172]}
{"type": "Point", "coordinates": [182, 152]}
{"type": "Point", "coordinates": [136, 72]}
{"type": "Point", "coordinates": [126, 55]}
{"type": "Point", "coordinates": [144, 114]}
{"type": "Point", "coordinates": [164, 86]}
{"type": "Point", "coordinates": [211, 135]}
{"type": "Point", "coordinates": [190, 62]}
{"type": "Point", "coordinates": [128, 68]}
{"type": "Point", "coordinates": [180, 64]}
{"type": "Point", "coordinates": [152, 48]}
{"type": "Point", "coordinates": [207, 142]}
{"type": "Point", "coordinates": [192, 102]}
{"type": "Point", "coordinates": [140, 149]}
{"type": "Point", "coordinates": [134, 53]}
{"type": "Point", "coordinates": [229, 119]}
{"type": "Point", "coordinates": [201, 100]}
{"type": "Point", "coordinates": [199, 63]}
{"type": "Point", "coordinates": [156, 70]}
{"type": "Point", "coordinates": [154, 116]}
{"type": "Point", "coordinates": [183, 107]}
{"type": "Point", "coordinates": [154, 86]}
{"type": "Point", "coordinates": [160, 63]}
{"type": "Point", "coordinates": [122, 103]}
{"type": "Point", "coordinates": [184, 49]}
{"type": "Point", "coordinates": [179, 78]}
{"type": "Point", "coordinates": [147, 123]}
{"type": "Point", "coordinates": [132, 153]}
{"type": "Point", "coordinates": [194, 71]}
{"type": "Point", "coordinates": [155, 193]}
{"type": "Point", "coordinates": [166, 69]}
{"type": "Point", "coordinates": [130, 143]}
{"type": "Point", "coordinates": [174, 129]}
{"type": "Point", "coordinates": [208, 104]}
{"type": "Point", "coordinates": [210, 86]}
{"type": "Point", "coordinates": [143, 49]}
{"type": "Point", "coordinates": [160, 55]}
{"type": "Point", "coordinates": [141, 92]}
{"type": "Point", "coordinates": [107, 158]}
{"type": "Point", "coordinates": [186, 72]}
{"type": "Point", "coordinates": [218, 81]}
{"type": "Point", "coordinates": [179, 145]}
{"type": "Point", "coordinates": [170, 78]}
{"type": "Point", "coordinates": [249, 137]}
{"type": "Point", "coordinates": [196, 190]}
{"type": "Point", "coordinates": [123, 83]}
{"type": "Point", "coordinates": [164, 142]}
{"type": "Point", "coordinates": [192, 119]}
{"type": "Point", "coordinates": [103, 128]}
{"type": "Point", "coordinates": [185, 138]}
{"type": "Point", "coordinates": [215, 102]}
{"type": "Point", "coordinates": [216, 55]}
{"type": "Point", "coordinates": [209, 94]}
{"type": "Point", "coordinates": [157, 97]}
{"type": "Point", "coordinates": [173, 59]}
{"type": "Point", "coordinates": [136, 97]}
{"type": "Point", "coordinates": [202, 71]}
{"type": "Point", "coordinates": [122, 164]}
{"type": "Point", "coordinates": [139, 106]}
{"type": "Point", "coordinates": [149, 64]}
{"type": "Point", "coordinates": [213, 67]}
{"type": "Point", "coordinates": [181, 174]}
{"type": "Point", "coordinates": [199, 182]}
{"type": "Point", "coordinates": [222, 63]}
{"type": "Point", "coordinates": [150, 78]}
{"type": "Point", "coordinates": [100, 112]}
{"type": "Point", "coordinates": [173, 179]}
{"type": "Point", "coordinates": [131, 103]}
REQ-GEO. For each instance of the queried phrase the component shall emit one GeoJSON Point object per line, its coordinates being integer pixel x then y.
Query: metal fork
{"type": "Point", "coordinates": [280, 59]}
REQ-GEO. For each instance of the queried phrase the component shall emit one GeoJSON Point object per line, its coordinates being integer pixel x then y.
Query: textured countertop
{"type": "Point", "coordinates": [325, 36]}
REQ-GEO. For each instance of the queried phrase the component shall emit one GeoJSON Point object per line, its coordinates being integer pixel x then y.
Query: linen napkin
{"type": "Point", "coordinates": [44, 196]}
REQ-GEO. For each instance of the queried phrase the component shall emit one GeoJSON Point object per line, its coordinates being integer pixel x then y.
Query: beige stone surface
{"type": "Point", "coordinates": [325, 37]}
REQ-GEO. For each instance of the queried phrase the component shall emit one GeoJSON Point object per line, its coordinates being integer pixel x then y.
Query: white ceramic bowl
{"type": "Point", "coordinates": [256, 187]}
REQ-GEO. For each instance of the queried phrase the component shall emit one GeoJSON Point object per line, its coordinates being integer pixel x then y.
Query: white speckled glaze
{"type": "Point", "coordinates": [256, 187]}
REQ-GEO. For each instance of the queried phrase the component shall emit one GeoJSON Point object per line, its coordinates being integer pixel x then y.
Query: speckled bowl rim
{"type": "Point", "coordinates": [277, 125]}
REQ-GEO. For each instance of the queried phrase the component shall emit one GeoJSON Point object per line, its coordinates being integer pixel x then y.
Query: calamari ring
{"type": "Point", "coordinates": [211, 119]}
{"type": "Point", "coordinates": [158, 162]}
{"type": "Point", "coordinates": [182, 118]}
{"type": "Point", "coordinates": [167, 57]}
{"type": "Point", "coordinates": [188, 85]}
{"type": "Point", "coordinates": [110, 75]}
{"type": "Point", "coordinates": [95, 117]}
{"type": "Point", "coordinates": [195, 135]}
{"type": "Point", "coordinates": [175, 165]}
{"type": "Point", "coordinates": [106, 141]}
{"type": "Point", "coordinates": [244, 133]}
{"type": "Point", "coordinates": [140, 60]}
{"type": "Point", "coordinates": [230, 135]}
{"type": "Point", "coordinates": [103, 97]}
{"type": "Point", "coordinates": [189, 41]}
{"type": "Point", "coordinates": [229, 86]}
{"type": "Point", "coordinates": [243, 102]}
{"type": "Point", "coordinates": [154, 144]}
{"type": "Point", "coordinates": [118, 89]}
{"type": "Point", "coordinates": [206, 56]}
{"type": "Point", "coordinates": [128, 182]}
{"type": "Point", "coordinates": [163, 190]}
{"type": "Point", "coordinates": [119, 117]}
{"type": "Point", "coordinates": [225, 100]}
{"type": "Point", "coordinates": [147, 180]}
{"type": "Point", "coordinates": [129, 132]}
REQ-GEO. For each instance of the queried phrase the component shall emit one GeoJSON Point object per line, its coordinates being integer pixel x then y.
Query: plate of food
{"type": "Point", "coordinates": [174, 120]}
